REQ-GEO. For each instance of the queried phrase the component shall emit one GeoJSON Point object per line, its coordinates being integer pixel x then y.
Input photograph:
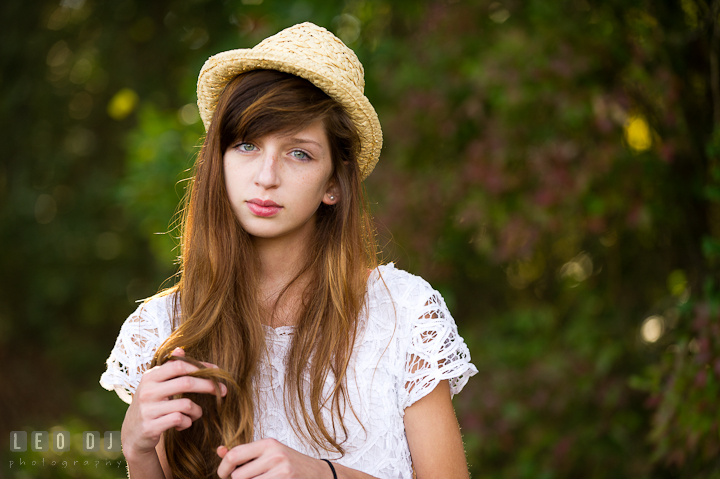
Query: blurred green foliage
{"type": "Point", "coordinates": [553, 168]}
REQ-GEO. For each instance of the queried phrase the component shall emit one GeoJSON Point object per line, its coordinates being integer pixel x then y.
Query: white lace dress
{"type": "Point", "coordinates": [408, 343]}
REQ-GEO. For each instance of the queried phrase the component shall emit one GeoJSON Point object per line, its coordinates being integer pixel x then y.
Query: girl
{"type": "Point", "coordinates": [316, 362]}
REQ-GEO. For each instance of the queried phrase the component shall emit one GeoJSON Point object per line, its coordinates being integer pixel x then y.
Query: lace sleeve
{"type": "Point", "coordinates": [132, 354]}
{"type": "Point", "coordinates": [436, 351]}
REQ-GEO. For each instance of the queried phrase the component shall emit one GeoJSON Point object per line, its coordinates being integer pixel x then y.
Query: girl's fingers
{"type": "Point", "coordinates": [175, 368]}
{"type": "Point", "coordinates": [184, 406]}
{"type": "Point", "coordinates": [153, 428]}
{"type": "Point", "coordinates": [152, 411]}
{"type": "Point", "coordinates": [181, 352]}
{"type": "Point", "coordinates": [170, 369]}
{"type": "Point", "coordinates": [254, 468]}
{"type": "Point", "coordinates": [187, 384]}
{"type": "Point", "coordinates": [172, 378]}
{"type": "Point", "coordinates": [239, 456]}
{"type": "Point", "coordinates": [175, 420]}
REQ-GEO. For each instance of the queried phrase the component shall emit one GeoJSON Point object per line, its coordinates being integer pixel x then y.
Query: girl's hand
{"type": "Point", "coordinates": [152, 411]}
{"type": "Point", "coordinates": [271, 457]}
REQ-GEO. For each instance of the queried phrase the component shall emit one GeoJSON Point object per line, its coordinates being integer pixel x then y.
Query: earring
{"type": "Point", "coordinates": [332, 198]}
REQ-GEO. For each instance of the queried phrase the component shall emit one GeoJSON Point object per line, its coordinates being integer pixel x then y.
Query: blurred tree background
{"type": "Point", "coordinates": [551, 166]}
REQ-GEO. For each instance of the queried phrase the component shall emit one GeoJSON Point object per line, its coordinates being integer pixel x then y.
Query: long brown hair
{"type": "Point", "coordinates": [218, 286]}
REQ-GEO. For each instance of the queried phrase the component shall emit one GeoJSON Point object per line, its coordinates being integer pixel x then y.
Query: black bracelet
{"type": "Point", "coordinates": [332, 468]}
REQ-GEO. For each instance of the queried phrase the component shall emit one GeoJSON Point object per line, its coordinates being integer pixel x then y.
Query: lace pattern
{"type": "Point", "coordinates": [436, 352]}
{"type": "Point", "coordinates": [407, 343]}
{"type": "Point", "coordinates": [143, 331]}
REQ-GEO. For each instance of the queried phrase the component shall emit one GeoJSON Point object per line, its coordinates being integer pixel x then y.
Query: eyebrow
{"type": "Point", "coordinates": [303, 140]}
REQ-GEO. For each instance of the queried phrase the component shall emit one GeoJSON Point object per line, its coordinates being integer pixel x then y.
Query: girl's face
{"type": "Point", "coordinates": [276, 182]}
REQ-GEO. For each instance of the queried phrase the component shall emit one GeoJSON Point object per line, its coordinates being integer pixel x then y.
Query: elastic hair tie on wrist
{"type": "Point", "coordinates": [332, 468]}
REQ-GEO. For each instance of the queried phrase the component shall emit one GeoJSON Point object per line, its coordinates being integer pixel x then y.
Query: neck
{"type": "Point", "coordinates": [280, 261]}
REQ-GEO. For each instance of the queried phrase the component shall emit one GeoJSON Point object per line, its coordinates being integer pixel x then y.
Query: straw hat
{"type": "Point", "coordinates": [310, 52]}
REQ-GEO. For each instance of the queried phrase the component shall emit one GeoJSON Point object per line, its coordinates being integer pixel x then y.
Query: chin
{"type": "Point", "coordinates": [263, 235]}
{"type": "Point", "coordinates": [263, 231]}
{"type": "Point", "coordinates": [271, 228]}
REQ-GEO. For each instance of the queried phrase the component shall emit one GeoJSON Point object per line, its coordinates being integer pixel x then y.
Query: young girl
{"type": "Point", "coordinates": [285, 350]}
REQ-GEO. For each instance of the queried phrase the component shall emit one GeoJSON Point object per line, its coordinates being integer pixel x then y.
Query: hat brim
{"type": "Point", "coordinates": [219, 69]}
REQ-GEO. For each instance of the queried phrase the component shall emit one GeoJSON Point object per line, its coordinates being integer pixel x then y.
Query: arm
{"type": "Point", "coordinates": [148, 465]}
{"type": "Point", "coordinates": [160, 448]}
{"type": "Point", "coordinates": [153, 464]}
{"type": "Point", "coordinates": [152, 411]}
{"type": "Point", "coordinates": [437, 366]}
{"type": "Point", "coordinates": [433, 436]}
{"type": "Point", "coordinates": [271, 457]}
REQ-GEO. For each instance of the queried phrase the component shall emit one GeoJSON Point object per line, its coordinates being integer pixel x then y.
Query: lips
{"type": "Point", "coordinates": [264, 208]}
{"type": "Point", "coordinates": [260, 202]}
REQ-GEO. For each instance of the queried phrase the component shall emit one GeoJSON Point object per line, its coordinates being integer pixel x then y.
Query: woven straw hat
{"type": "Point", "coordinates": [310, 52]}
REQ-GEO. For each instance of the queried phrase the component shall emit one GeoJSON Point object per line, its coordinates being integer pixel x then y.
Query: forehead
{"type": "Point", "coordinates": [314, 133]}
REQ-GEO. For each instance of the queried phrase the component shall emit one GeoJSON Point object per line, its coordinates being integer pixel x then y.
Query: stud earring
{"type": "Point", "coordinates": [332, 198]}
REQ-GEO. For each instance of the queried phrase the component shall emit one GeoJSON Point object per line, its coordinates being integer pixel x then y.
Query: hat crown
{"type": "Point", "coordinates": [308, 42]}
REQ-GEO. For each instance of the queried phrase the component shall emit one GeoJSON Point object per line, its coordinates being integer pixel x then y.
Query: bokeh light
{"type": "Point", "coordinates": [122, 104]}
{"type": "Point", "coordinates": [637, 133]}
{"type": "Point", "coordinates": [578, 269]}
{"type": "Point", "coordinates": [188, 114]}
{"type": "Point", "coordinates": [652, 328]}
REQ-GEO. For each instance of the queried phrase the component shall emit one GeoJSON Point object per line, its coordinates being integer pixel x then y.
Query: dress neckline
{"type": "Point", "coordinates": [288, 330]}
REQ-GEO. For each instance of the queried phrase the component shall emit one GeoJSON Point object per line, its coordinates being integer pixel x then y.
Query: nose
{"type": "Point", "coordinates": [267, 175]}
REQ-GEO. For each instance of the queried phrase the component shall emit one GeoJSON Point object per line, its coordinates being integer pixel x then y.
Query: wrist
{"type": "Point", "coordinates": [332, 469]}
{"type": "Point", "coordinates": [132, 455]}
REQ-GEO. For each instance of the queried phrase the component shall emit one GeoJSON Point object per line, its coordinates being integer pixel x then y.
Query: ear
{"type": "Point", "coordinates": [332, 194]}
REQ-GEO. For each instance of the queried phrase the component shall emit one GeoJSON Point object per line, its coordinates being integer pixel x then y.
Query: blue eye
{"type": "Point", "coordinates": [300, 155]}
{"type": "Point", "coordinates": [246, 147]}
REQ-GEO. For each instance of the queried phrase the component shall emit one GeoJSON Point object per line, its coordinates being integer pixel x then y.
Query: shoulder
{"type": "Point", "coordinates": [155, 312]}
{"type": "Point", "coordinates": [140, 335]}
{"type": "Point", "coordinates": [401, 285]}
{"type": "Point", "coordinates": [430, 348]}
{"type": "Point", "coordinates": [403, 300]}
{"type": "Point", "coordinates": [162, 301]}
{"type": "Point", "coordinates": [404, 289]}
